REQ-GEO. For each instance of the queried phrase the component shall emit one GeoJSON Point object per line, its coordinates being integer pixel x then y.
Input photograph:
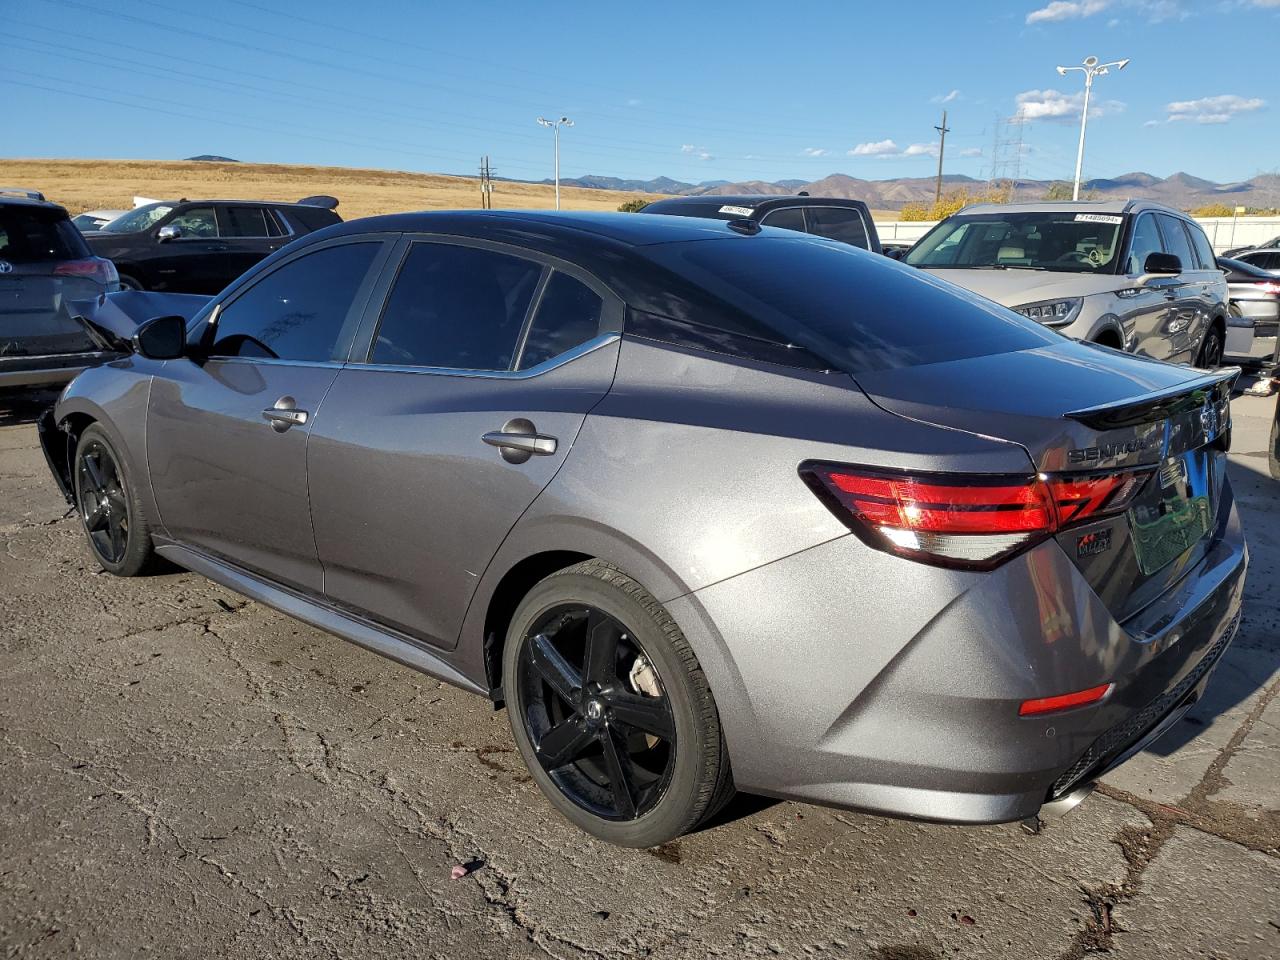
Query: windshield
{"type": "Point", "coordinates": [138, 219]}
{"type": "Point", "coordinates": [1063, 242]}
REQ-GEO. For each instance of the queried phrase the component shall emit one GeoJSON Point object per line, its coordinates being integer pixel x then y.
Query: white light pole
{"type": "Point", "coordinates": [1090, 68]}
{"type": "Point", "coordinates": [555, 125]}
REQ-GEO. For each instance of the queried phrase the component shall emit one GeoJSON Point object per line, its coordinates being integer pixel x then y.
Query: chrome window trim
{"type": "Point", "coordinates": [276, 362]}
{"type": "Point", "coordinates": [581, 350]}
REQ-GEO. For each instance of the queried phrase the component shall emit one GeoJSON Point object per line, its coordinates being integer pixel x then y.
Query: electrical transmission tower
{"type": "Point", "coordinates": [486, 184]}
{"type": "Point", "coordinates": [1006, 155]}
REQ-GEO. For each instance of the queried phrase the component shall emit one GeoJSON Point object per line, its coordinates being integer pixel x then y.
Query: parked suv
{"type": "Point", "coordinates": [1133, 275]}
{"type": "Point", "coordinates": [200, 246]}
{"type": "Point", "coordinates": [44, 266]}
{"type": "Point", "coordinates": [835, 218]}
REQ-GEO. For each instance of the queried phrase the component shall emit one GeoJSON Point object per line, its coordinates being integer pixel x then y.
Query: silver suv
{"type": "Point", "coordinates": [1133, 275]}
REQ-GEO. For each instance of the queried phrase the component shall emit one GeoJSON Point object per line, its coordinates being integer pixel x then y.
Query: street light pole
{"type": "Point", "coordinates": [555, 127]}
{"type": "Point", "coordinates": [1090, 68]}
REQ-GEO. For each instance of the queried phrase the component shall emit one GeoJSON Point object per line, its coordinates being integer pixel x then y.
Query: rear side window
{"type": "Point", "coordinates": [839, 223]}
{"type": "Point", "coordinates": [455, 307]}
{"type": "Point", "coordinates": [789, 218]}
{"type": "Point", "coordinates": [244, 222]}
{"type": "Point", "coordinates": [1146, 241]}
{"type": "Point", "coordinates": [857, 312]}
{"type": "Point", "coordinates": [568, 315]}
{"type": "Point", "coordinates": [1200, 244]}
{"type": "Point", "coordinates": [298, 312]}
{"type": "Point", "coordinates": [1176, 242]}
{"type": "Point", "coordinates": [38, 235]}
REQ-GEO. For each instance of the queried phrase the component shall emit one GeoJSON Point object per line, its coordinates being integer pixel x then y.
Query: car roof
{"type": "Point", "coordinates": [1122, 206]}
{"type": "Point", "coordinates": [631, 229]}
{"type": "Point", "coordinates": [753, 200]}
{"type": "Point", "coordinates": [8, 200]}
{"type": "Point", "coordinates": [239, 202]}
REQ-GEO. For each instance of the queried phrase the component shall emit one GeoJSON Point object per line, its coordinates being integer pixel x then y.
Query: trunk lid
{"type": "Point", "coordinates": [1083, 409]}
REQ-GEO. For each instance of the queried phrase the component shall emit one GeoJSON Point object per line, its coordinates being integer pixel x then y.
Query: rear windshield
{"type": "Point", "coordinates": [1065, 242]}
{"type": "Point", "coordinates": [857, 310]}
{"type": "Point", "coordinates": [37, 235]}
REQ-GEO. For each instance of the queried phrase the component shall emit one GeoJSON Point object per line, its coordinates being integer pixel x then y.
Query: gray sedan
{"type": "Point", "coordinates": [705, 505]}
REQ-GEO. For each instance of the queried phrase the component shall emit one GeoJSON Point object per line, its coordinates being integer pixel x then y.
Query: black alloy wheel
{"type": "Point", "coordinates": [103, 502]}
{"type": "Point", "coordinates": [1211, 350]}
{"type": "Point", "coordinates": [596, 712]}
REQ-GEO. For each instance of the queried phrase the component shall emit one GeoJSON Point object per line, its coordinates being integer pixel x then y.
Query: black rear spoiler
{"type": "Point", "coordinates": [320, 200]}
{"type": "Point", "coordinates": [1161, 405]}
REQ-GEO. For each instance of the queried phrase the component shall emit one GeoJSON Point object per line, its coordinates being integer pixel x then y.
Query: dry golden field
{"type": "Point", "coordinates": [81, 185]}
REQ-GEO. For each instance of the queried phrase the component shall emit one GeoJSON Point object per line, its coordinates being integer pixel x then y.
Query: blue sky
{"type": "Point", "coordinates": [694, 91]}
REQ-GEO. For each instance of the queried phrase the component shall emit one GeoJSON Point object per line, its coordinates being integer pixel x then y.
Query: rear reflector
{"type": "Point", "coordinates": [1065, 701]}
{"type": "Point", "coordinates": [965, 520]}
{"type": "Point", "coordinates": [94, 268]}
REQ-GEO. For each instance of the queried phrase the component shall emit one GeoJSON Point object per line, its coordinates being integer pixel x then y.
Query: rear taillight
{"type": "Point", "coordinates": [963, 520]}
{"type": "Point", "coordinates": [1268, 287]}
{"type": "Point", "coordinates": [93, 268]}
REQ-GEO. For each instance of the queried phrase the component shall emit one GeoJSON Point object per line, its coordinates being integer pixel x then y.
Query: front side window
{"type": "Point", "coordinates": [568, 315]}
{"type": "Point", "coordinates": [196, 222]}
{"type": "Point", "coordinates": [456, 307]}
{"type": "Point", "coordinates": [1176, 242]}
{"type": "Point", "coordinates": [1066, 242]}
{"type": "Point", "coordinates": [244, 222]}
{"type": "Point", "coordinates": [1146, 241]}
{"type": "Point", "coordinates": [839, 223]}
{"type": "Point", "coordinates": [299, 311]}
{"type": "Point", "coordinates": [788, 218]}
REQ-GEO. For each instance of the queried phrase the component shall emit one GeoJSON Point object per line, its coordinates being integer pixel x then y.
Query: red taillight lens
{"type": "Point", "coordinates": [965, 520]}
{"type": "Point", "coordinates": [1065, 701]}
{"type": "Point", "coordinates": [95, 268]}
{"type": "Point", "coordinates": [1269, 287]}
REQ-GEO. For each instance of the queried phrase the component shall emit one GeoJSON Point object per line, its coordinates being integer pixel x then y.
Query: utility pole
{"type": "Point", "coordinates": [942, 146]}
{"type": "Point", "coordinates": [486, 184]}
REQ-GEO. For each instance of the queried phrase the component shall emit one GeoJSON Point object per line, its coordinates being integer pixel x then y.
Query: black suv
{"type": "Point", "coordinates": [835, 218]}
{"type": "Point", "coordinates": [200, 246]}
{"type": "Point", "coordinates": [45, 266]}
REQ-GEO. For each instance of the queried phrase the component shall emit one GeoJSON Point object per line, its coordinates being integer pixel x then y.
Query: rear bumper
{"type": "Point", "coordinates": [1253, 336]}
{"type": "Point", "coordinates": [898, 694]}
{"type": "Point", "coordinates": [48, 370]}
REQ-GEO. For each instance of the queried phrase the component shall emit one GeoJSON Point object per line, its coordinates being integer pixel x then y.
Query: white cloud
{"type": "Point", "coordinates": [1218, 109]}
{"type": "Point", "coordinates": [1056, 105]}
{"type": "Point", "coordinates": [1158, 11]}
{"type": "Point", "coordinates": [880, 148]}
{"type": "Point", "coordinates": [951, 97]}
{"type": "Point", "coordinates": [695, 151]}
{"type": "Point", "coordinates": [921, 150]}
{"type": "Point", "coordinates": [814, 152]}
{"type": "Point", "coordinates": [634, 102]}
{"type": "Point", "coordinates": [971, 152]}
{"type": "Point", "coordinates": [1067, 10]}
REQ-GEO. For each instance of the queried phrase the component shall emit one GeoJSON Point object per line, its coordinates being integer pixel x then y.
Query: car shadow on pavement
{"type": "Point", "coordinates": [24, 406]}
{"type": "Point", "coordinates": [1254, 656]}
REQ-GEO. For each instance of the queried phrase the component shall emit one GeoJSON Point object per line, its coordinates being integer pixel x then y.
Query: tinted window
{"type": "Point", "coordinates": [838, 223]}
{"type": "Point", "coordinates": [37, 234]}
{"type": "Point", "coordinates": [298, 311]}
{"type": "Point", "coordinates": [244, 222]}
{"type": "Point", "coordinates": [456, 307]}
{"type": "Point", "coordinates": [1175, 241]}
{"type": "Point", "coordinates": [567, 315]}
{"type": "Point", "coordinates": [1200, 244]}
{"type": "Point", "coordinates": [860, 313]}
{"type": "Point", "coordinates": [1146, 241]}
{"type": "Point", "coordinates": [196, 222]}
{"type": "Point", "coordinates": [789, 218]}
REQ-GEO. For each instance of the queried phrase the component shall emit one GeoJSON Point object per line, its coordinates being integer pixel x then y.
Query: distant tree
{"type": "Point", "coordinates": [632, 206]}
{"type": "Point", "coordinates": [1214, 210]}
{"type": "Point", "coordinates": [954, 201]}
{"type": "Point", "coordinates": [1058, 190]}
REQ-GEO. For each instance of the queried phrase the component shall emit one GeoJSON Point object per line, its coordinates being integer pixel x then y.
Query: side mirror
{"type": "Point", "coordinates": [895, 253]}
{"type": "Point", "coordinates": [169, 232]}
{"type": "Point", "coordinates": [161, 338]}
{"type": "Point", "coordinates": [1162, 265]}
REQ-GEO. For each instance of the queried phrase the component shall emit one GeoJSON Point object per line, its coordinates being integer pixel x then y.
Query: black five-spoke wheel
{"type": "Point", "coordinates": [596, 712]}
{"type": "Point", "coordinates": [104, 506]}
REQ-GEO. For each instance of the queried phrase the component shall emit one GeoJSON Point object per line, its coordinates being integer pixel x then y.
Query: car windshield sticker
{"type": "Point", "coordinates": [1098, 218]}
{"type": "Point", "coordinates": [737, 211]}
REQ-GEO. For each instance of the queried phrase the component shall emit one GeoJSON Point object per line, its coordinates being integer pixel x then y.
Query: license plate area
{"type": "Point", "coordinates": [1176, 512]}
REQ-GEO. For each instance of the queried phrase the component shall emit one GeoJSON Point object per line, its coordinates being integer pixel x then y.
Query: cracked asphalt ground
{"type": "Point", "coordinates": [187, 774]}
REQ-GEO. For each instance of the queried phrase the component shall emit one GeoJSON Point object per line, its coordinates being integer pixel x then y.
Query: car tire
{"type": "Point", "coordinates": [1210, 357]}
{"type": "Point", "coordinates": [628, 778]}
{"type": "Point", "coordinates": [110, 510]}
{"type": "Point", "coordinates": [1274, 451]}
{"type": "Point", "coordinates": [128, 282]}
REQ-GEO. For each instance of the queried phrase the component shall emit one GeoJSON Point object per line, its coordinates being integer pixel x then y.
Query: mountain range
{"type": "Point", "coordinates": [1180, 190]}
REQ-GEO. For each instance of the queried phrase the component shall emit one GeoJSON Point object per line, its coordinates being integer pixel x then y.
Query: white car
{"type": "Point", "coordinates": [92, 220]}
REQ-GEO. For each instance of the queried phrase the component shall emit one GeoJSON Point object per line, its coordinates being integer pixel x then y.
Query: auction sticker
{"type": "Point", "coordinates": [737, 211]}
{"type": "Point", "coordinates": [1098, 218]}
